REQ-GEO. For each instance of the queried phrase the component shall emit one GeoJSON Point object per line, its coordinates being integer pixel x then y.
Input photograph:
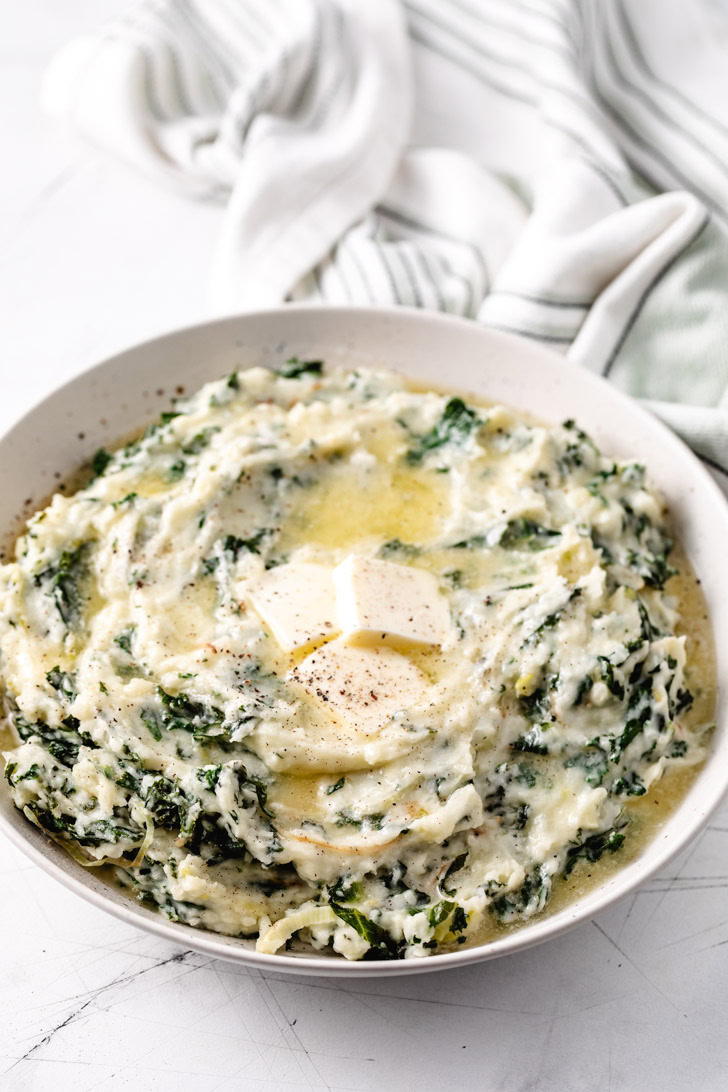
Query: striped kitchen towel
{"type": "Point", "coordinates": [555, 168]}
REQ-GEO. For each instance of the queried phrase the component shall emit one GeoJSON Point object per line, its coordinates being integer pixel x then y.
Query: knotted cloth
{"type": "Point", "coordinates": [554, 168]}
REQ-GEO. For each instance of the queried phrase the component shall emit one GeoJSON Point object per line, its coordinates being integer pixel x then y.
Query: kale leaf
{"type": "Point", "coordinates": [233, 545]}
{"type": "Point", "coordinates": [100, 462]}
{"type": "Point", "coordinates": [532, 741]}
{"type": "Point", "coordinates": [457, 422]}
{"type": "Point", "coordinates": [62, 683]}
{"type": "Point", "coordinates": [454, 867]}
{"type": "Point", "coordinates": [199, 442]}
{"type": "Point", "coordinates": [594, 762]}
{"type": "Point", "coordinates": [593, 848]}
{"type": "Point", "coordinates": [180, 712]}
{"type": "Point", "coordinates": [295, 368]}
{"type": "Point", "coordinates": [526, 534]}
{"type": "Point", "coordinates": [382, 945]}
{"type": "Point", "coordinates": [61, 581]}
{"type": "Point", "coordinates": [63, 742]}
{"type": "Point", "coordinates": [629, 783]}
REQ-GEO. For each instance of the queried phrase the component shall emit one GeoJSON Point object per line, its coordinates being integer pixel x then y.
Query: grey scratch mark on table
{"type": "Point", "coordinates": [636, 966]}
{"type": "Point", "coordinates": [269, 991]}
{"type": "Point", "coordinates": [93, 996]}
{"type": "Point", "coordinates": [439, 1002]}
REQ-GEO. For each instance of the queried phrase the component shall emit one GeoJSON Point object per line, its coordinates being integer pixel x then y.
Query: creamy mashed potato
{"type": "Point", "coordinates": [325, 657]}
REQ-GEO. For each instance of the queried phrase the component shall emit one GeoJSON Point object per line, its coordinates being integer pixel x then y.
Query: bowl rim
{"type": "Point", "coordinates": [55, 861]}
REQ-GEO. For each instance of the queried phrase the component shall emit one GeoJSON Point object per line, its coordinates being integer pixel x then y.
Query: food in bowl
{"type": "Point", "coordinates": [325, 658]}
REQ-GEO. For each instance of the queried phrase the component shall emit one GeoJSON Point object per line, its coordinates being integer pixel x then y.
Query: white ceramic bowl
{"type": "Point", "coordinates": [109, 401]}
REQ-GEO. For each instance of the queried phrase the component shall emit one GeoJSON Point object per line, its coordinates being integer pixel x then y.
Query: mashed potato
{"type": "Point", "coordinates": [323, 656]}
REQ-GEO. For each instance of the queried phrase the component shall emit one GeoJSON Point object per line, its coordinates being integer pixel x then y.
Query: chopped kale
{"type": "Point", "coordinates": [62, 683]}
{"type": "Point", "coordinates": [512, 815]}
{"type": "Point", "coordinates": [127, 780]}
{"type": "Point", "coordinates": [597, 482]}
{"type": "Point", "coordinates": [578, 451]}
{"type": "Point", "coordinates": [345, 890]}
{"type": "Point", "coordinates": [100, 462]}
{"type": "Point", "coordinates": [199, 441]}
{"type": "Point", "coordinates": [295, 368]}
{"type": "Point", "coordinates": [526, 534]}
{"type": "Point", "coordinates": [257, 787]}
{"type": "Point", "coordinates": [31, 774]}
{"type": "Point", "coordinates": [531, 895]}
{"type": "Point", "coordinates": [233, 545]}
{"type": "Point", "coordinates": [683, 701]}
{"type": "Point", "coordinates": [181, 713]}
{"type": "Point", "coordinates": [536, 706]}
{"type": "Point", "coordinates": [551, 620]}
{"type": "Point", "coordinates": [62, 582]}
{"type": "Point", "coordinates": [104, 830]}
{"type": "Point", "coordinates": [395, 547]}
{"type": "Point", "coordinates": [594, 762]}
{"type": "Point", "coordinates": [613, 685]}
{"type": "Point", "coordinates": [223, 845]}
{"type": "Point", "coordinates": [454, 867]}
{"type": "Point", "coordinates": [532, 741]}
{"type": "Point", "coordinates": [650, 560]}
{"type": "Point", "coordinates": [583, 689]}
{"type": "Point", "coordinates": [128, 499]}
{"type": "Point", "coordinates": [62, 742]}
{"type": "Point", "coordinates": [153, 722]}
{"type": "Point", "coordinates": [176, 470]}
{"type": "Point", "coordinates": [123, 639]}
{"type": "Point", "coordinates": [54, 824]}
{"type": "Point", "coordinates": [630, 784]}
{"type": "Point", "coordinates": [457, 422]}
{"type": "Point", "coordinates": [382, 945]}
{"type": "Point", "coordinates": [210, 776]}
{"type": "Point", "coordinates": [167, 803]}
{"type": "Point", "coordinates": [454, 577]}
{"type": "Point", "coordinates": [440, 912]}
{"type": "Point", "coordinates": [458, 922]}
{"type": "Point", "coordinates": [647, 630]}
{"type": "Point", "coordinates": [475, 542]}
{"type": "Point", "coordinates": [653, 568]}
{"type": "Point", "coordinates": [526, 774]}
{"type": "Point", "coordinates": [599, 544]}
{"type": "Point", "coordinates": [593, 848]}
{"type": "Point", "coordinates": [633, 727]}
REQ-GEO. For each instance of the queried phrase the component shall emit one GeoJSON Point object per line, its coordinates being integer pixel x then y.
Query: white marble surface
{"type": "Point", "coordinates": [91, 259]}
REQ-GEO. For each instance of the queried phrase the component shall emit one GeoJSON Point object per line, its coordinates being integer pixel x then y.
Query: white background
{"type": "Point", "coordinates": [93, 258]}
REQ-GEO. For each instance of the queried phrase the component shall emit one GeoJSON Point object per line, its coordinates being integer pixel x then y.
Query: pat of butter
{"type": "Point", "coordinates": [298, 603]}
{"type": "Point", "coordinates": [380, 601]}
{"type": "Point", "coordinates": [364, 686]}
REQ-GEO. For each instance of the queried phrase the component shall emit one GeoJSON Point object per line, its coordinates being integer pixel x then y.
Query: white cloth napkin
{"type": "Point", "coordinates": [557, 169]}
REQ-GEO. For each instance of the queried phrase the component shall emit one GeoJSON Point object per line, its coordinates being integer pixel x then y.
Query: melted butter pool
{"type": "Point", "coordinates": [387, 499]}
{"type": "Point", "coordinates": [341, 510]}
